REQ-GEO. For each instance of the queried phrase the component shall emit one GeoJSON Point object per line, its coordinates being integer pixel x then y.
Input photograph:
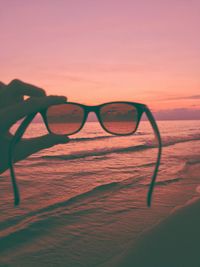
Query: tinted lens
{"type": "Point", "coordinates": [119, 118]}
{"type": "Point", "coordinates": [65, 118]}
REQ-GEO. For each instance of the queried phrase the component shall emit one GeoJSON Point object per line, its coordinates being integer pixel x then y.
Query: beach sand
{"type": "Point", "coordinates": [175, 242]}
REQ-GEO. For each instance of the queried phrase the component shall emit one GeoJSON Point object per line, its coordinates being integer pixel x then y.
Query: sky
{"type": "Point", "coordinates": [95, 51]}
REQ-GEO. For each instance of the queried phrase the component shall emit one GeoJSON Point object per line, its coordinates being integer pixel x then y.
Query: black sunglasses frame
{"type": "Point", "coordinates": [97, 109]}
{"type": "Point", "coordinates": [141, 108]}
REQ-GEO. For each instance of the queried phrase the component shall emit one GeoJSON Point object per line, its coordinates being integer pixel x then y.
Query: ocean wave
{"type": "Point", "coordinates": [98, 192]}
{"type": "Point", "coordinates": [174, 140]}
{"type": "Point", "coordinates": [72, 207]}
{"type": "Point", "coordinates": [82, 139]}
{"type": "Point", "coordinates": [20, 223]}
{"type": "Point", "coordinates": [94, 194]}
{"type": "Point", "coordinates": [194, 160]}
{"type": "Point", "coordinates": [95, 153]}
{"type": "Point", "coordinates": [102, 152]}
{"type": "Point", "coordinates": [166, 182]}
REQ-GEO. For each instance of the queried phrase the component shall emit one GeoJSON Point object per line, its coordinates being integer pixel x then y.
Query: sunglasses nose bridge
{"type": "Point", "coordinates": [93, 110]}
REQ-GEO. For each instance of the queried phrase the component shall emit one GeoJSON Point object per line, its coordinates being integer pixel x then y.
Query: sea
{"type": "Point", "coordinates": [84, 202]}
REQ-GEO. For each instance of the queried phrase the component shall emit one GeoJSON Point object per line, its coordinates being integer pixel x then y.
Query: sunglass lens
{"type": "Point", "coordinates": [119, 118]}
{"type": "Point", "coordinates": [65, 118]}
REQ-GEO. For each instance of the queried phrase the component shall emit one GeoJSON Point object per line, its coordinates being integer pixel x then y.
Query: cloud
{"type": "Point", "coordinates": [178, 114]}
{"type": "Point", "coordinates": [194, 97]}
{"type": "Point", "coordinates": [182, 97]}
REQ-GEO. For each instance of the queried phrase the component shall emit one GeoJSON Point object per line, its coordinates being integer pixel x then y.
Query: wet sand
{"type": "Point", "coordinates": [175, 242]}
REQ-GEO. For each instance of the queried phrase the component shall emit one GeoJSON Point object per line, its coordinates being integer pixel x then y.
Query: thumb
{"type": "Point", "coordinates": [27, 147]}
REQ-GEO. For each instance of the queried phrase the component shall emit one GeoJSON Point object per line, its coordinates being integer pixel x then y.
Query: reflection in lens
{"type": "Point", "coordinates": [119, 118]}
{"type": "Point", "coordinates": [65, 118]}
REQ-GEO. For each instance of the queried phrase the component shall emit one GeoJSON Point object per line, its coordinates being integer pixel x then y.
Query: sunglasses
{"type": "Point", "coordinates": [116, 118]}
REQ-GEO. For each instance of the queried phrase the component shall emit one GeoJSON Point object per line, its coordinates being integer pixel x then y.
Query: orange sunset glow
{"type": "Point", "coordinates": [100, 51]}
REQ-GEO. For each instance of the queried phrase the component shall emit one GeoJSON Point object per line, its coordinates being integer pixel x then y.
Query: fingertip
{"type": "Point", "coordinates": [59, 97]}
{"type": "Point", "coordinates": [2, 84]}
{"type": "Point", "coordinates": [57, 139]}
{"type": "Point", "coordinates": [62, 139]}
{"type": "Point", "coordinates": [63, 97]}
{"type": "Point", "coordinates": [54, 99]}
{"type": "Point", "coordinates": [28, 89]}
{"type": "Point", "coordinates": [15, 81]}
{"type": "Point", "coordinates": [40, 92]}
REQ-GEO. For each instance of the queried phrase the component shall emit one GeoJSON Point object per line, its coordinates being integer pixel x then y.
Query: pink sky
{"type": "Point", "coordinates": [99, 51]}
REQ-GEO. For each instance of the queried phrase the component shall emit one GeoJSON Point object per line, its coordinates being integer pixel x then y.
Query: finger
{"type": "Point", "coordinates": [14, 113]}
{"type": "Point", "coordinates": [19, 88]}
{"type": "Point", "coordinates": [15, 91]}
{"type": "Point", "coordinates": [2, 89]}
{"type": "Point", "coordinates": [30, 146]}
{"type": "Point", "coordinates": [1, 85]}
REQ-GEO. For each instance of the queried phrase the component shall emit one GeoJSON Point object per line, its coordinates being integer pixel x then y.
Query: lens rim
{"type": "Point", "coordinates": [135, 105]}
{"type": "Point", "coordinates": [67, 103]}
{"type": "Point", "coordinates": [96, 109]}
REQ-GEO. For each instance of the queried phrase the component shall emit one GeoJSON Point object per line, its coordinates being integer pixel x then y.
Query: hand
{"type": "Point", "coordinates": [13, 107]}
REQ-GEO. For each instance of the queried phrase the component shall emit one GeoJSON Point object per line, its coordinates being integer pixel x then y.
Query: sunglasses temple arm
{"type": "Point", "coordinates": [16, 138]}
{"type": "Point", "coordinates": [44, 118]}
{"type": "Point", "coordinates": [157, 134]}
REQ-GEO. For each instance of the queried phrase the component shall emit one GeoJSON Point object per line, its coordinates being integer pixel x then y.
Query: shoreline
{"type": "Point", "coordinates": [173, 242]}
